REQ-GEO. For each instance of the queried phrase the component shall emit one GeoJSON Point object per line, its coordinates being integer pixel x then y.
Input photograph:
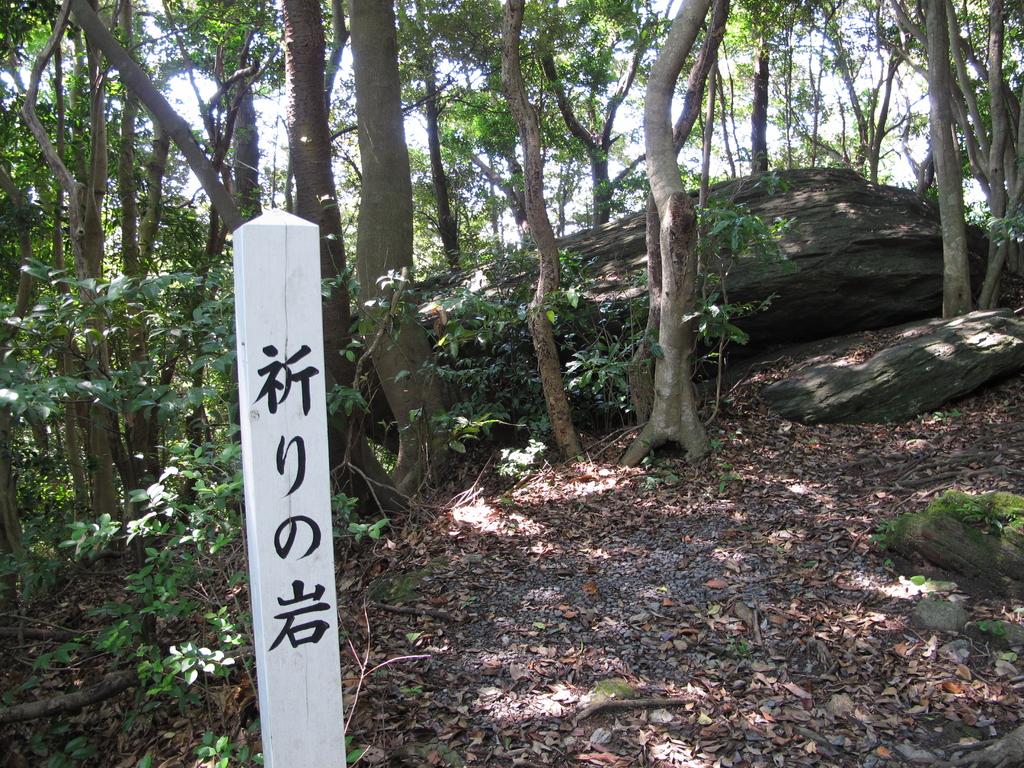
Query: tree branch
{"type": "Point", "coordinates": [576, 128]}
{"type": "Point", "coordinates": [139, 82]}
{"type": "Point", "coordinates": [71, 702]}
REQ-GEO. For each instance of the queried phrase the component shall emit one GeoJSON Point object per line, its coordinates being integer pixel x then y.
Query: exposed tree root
{"type": "Point", "coordinates": [605, 705]}
{"type": "Point", "coordinates": [33, 633]}
{"type": "Point", "coordinates": [413, 611]}
{"type": "Point", "coordinates": [65, 703]}
{"type": "Point", "coordinates": [1004, 752]}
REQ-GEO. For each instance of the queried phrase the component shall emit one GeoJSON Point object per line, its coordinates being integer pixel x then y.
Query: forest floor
{"type": "Point", "coordinates": [732, 613]}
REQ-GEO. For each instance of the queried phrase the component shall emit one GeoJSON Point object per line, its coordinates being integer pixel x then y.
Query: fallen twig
{"type": "Point", "coordinates": [605, 705]}
{"type": "Point", "coordinates": [33, 633]}
{"type": "Point", "coordinates": [65, 703]}
{"type": "Point", "coordinates": [413, 611]}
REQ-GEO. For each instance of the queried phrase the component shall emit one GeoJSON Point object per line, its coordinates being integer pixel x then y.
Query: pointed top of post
{"type": "Point", "coordinates": [275, 217]}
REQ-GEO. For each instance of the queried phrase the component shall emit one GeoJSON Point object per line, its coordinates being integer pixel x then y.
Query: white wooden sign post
{"type": "Point", "coordinates": [283, 416]}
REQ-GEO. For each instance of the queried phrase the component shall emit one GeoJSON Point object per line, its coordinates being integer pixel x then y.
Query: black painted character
{"type": "Point", "coordinates": [293, 630]}
{"type": "Point", "coordinates": [275, 390]}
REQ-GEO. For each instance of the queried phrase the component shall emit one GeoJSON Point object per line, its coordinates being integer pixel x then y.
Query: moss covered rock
{"type": "Point", "coordinates": [613, 688]}
{"type": "Point", "coordinates": [980, 536]}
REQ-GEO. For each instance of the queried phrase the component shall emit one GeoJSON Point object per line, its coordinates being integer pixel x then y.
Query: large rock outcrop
{"type": "Point", "coordinates": [925, 367]}
{"type": "Point", "coordinates": [859, 256]}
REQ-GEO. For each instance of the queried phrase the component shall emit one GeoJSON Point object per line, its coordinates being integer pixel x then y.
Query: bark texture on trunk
{"type": "Point", "coordinates": [309, 142]}
{"type": "Point", "coordinates": [956, 298]}
{"type": "Point", "coordinates": [247, 157]}
{"type": "Point", "coordinates": [674, 416]}
{"type": "Point", "coordinates": [315, 199]}
{"type": "Point", "coordinates": [10, 524]}
{"type": "Point", "coordinates": [641, 369]}
{"type": "Point", "coordinates": [385, 240]}
{"type": "Point", "coordinates": [447, 223]}
{"type": "Point", "coordinates": [544, 344]}
{"type": "Point", "coordinates": [759, 115]}
{"type": "Point", "coordinates": [997, 198]}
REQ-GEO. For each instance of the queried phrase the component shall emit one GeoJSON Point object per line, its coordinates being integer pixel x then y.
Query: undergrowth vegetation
{"type": "Point", "coordinates": [182, 618]}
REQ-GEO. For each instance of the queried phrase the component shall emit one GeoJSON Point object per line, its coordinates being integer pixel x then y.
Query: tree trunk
{"type": "Point", "coordinates": [89, 265]}
{"type": "Point", "coordinates": [385, 240]}
{"type": "Point", "coordinates": [315, 199]}
{"type": "Point", "coordinates": [674, 416]}
{"type": "Point", "coordinates": [247, 157]}
{"type": "Point", "coordinates": [602, 189]}
{"type": "Point", "coordinates": [759, 115]}
{"type": "Point", "coordinates": [878, 130]}
{"type": "Point", "coordinates": [10, 524]}
{"type": "Point", "coordinates": [447, 224]}
{"type": "Point", "coordinates": [998, 247]}
{"type": "Point", "coordinates": [72, 442]}
{"type": "Point", "coordinates": [956, 299]}
{"type": "Point", "coordinates": [541, 330]}
{"type": "Point", "coordinates": [641, 380]}
{"type": "Point", "coordinates": [309, 143]}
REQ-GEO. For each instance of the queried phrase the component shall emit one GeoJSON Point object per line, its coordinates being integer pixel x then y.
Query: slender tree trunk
{"type": "Point", "coordinates": [247, 157]}
{"type": "Point", "coordinates": [541, 330]}
{"type": "Point", "coordinates": [102, 422]}
{"type": "Point", "coordinates": [641, 380]}
{"type": "Point", "coordinates": [156, 167]}
{"type": "Point", "coordinates": [878, 132]}
{"type": "Point", "coordinates": [926, 173]}
{"type": "Point", "coordinates": [72, 441]}
{"type": "Point", "coordinates": [998, 247]}
{"type": "Point", "coordinates": [309, 143]}
{"type": "Point", "coordinates": [674, 416]}
{"type": "Point", "coordinates": [384, 245]}
{"type": "Point", "coordinates": [447, 224]}
{"type": "Point", "coordinates": [956, 290]}
{"type": "Point", "coordinates": [141, 430]}
{"type": "Point", "coordinates": [641, 371]}
{"type": "Point", "coordinates": [759, 115]}
{"type": "Point", "coordinates": [787, 110]}
{"type": "Point", "coordinates": [725, 129]}
{"type": "Point", "coordinates": [602, 191]}
{"type": "Point", "coordinates": [709, 131]}
{"type": "Point", "coordinates": [10, 524]}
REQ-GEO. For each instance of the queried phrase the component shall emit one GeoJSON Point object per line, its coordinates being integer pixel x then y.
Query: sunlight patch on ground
{"type": "Point", "coordinates": [486, 519]}
{"type": "Point", "coordinates": [544, 595]}
{"type": "Point", "coordinates": [586, 480]}
{"type": "Point", "coordinates": [901, 588]}
{"type": "Point", "coordinates": [676, 752]}
{"type": "Point", "coordinates": [729, 556]}
{"type": "Point", "coordinates": [511, 706]}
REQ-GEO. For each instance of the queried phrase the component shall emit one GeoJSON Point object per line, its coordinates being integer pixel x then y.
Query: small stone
{"type": "Point", "coordinates": [939, 615]}
{"type": "Point", "coordinates": [958, 650]}
{"type": "Point", "coordinates": [600, 736]}
{"type": "Point", "coordinates": [915, 755]}
{"type": "Point", "coordinates": [839, 705]}
{"type": "Point", "coordinates": [999, 635]}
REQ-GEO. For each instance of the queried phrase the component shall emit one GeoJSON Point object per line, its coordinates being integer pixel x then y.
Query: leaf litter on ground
{"type": "Point", "coordinates": [740, 603]}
